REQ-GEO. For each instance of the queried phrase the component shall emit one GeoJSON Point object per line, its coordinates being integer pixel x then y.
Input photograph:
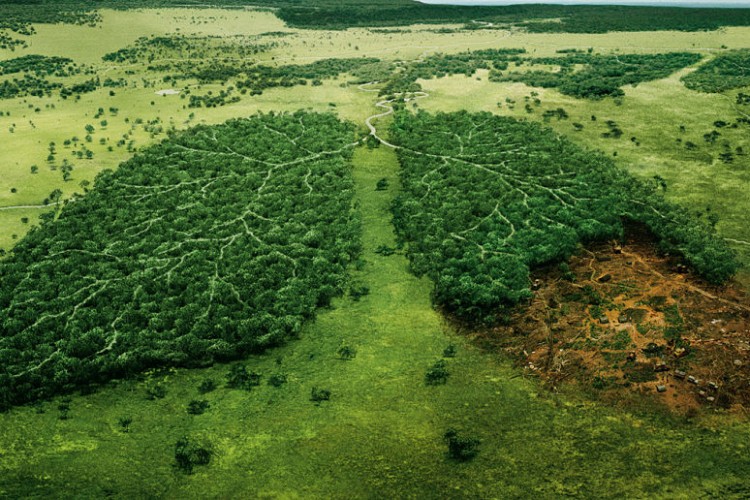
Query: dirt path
{"type": "Point", "coordinates": [21, 207]}
{"type": "Point", "coordinates": [386, 105]}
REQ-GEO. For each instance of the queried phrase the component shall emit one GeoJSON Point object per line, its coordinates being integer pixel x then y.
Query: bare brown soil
{"type": "Point", "coordinates": [634, 327]}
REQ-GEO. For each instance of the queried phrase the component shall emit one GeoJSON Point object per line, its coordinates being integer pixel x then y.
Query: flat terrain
{"type": "Point", "coordinates": [382, 429]}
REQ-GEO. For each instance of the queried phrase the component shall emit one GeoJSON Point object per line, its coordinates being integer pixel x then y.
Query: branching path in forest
{"type": "Point", "coordinates": [487, 198]}
{"type": "Point", "coordinates": [386, 105]}
{"type": "Point", "coordinates": [228, 236]}
{"type": "Point", "coordinates": [383, 429]}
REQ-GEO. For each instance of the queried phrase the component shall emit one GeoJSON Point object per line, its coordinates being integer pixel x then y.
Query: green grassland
{"type": "Point", "coordinates": [381, 433]}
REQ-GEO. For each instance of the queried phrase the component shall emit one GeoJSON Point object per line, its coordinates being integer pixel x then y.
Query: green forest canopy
{"type": "Point", "coordinates": [601, 75]}
{"type": "Point", "coordinates": [486, 198]}
{"type": "Point", "coordinates": [582, 75]}
{"type": "Point", "coordinates": [340, 14]}
{"type": "Point", "coordinates": [218, 242]}
{"type": "Point", "coordinates": [726, 71]}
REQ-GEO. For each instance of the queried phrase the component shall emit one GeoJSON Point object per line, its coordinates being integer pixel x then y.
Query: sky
{"type": "Point", "coordinates": [666, 3]}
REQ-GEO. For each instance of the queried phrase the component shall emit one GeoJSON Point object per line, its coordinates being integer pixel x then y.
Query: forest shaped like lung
{"type": "Point", "coordinates": [487, 198]}
{"type": "Point", "coordinates": [220, 241]}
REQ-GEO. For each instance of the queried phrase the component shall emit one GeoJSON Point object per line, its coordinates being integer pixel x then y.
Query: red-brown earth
{"type": "Point", "coordinates": [633, 327]}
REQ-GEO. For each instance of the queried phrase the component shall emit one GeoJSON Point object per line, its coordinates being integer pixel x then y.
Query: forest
{"type": "Point", "coordinates": [39, 65]}
{"type": "Point", "coordinates": [224, 241]}
{"type": "Point", "coordinates": [331, 14]}
{"type": "Point", "coordinates": [487, 198]}
{"type": "Point", "coordinates": [536, 18]}
{"type": "Point", "coordinates": [195, 57]}
{"type": "Point", "coordinates": [726, 71]}
{"type": "Point", "coordinates": [601, 75]}
{"type": "Point", "coordinates": [195, 48]}
{"type": "Point", "coordinates": [582, 75]}
{"type": "Point", "coordinates": [440, 65]}
{"type": "Point", "coordinates": [35, 72]}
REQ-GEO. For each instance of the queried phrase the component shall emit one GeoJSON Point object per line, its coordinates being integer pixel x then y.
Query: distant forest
{"type": "Point", "coordinates": [332, 14]}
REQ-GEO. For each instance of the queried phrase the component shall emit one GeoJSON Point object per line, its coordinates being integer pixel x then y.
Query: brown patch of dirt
{"type": "Point", "coordinates": [633, 327]}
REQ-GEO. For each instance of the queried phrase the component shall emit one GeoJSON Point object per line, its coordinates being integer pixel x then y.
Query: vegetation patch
{"type": "Point", "coordinates": [726, 71]}
{"type": "Point", "coordinates": [461, 447]}
{"type": "Point", "coordinates": [198, 50]}
{"type": "Point", "coordinates": [579, 74]}
{"type": "Point", "coordinates": [35, 73]}
{"type": "Point", "coordinates": [216, 60]}
{"type": "Point", "coordinates": [440, 65]}
{"type": "Point", "coordinates": [217, 242]}
{"type": "Point", "coordinates": [39, 65]}
{"type": "Point", "coordinates": [600, 75]}
{"type": "Point", "coordinates": [487, 198]}
{"type": "Point", "coordinates": [535, 18]}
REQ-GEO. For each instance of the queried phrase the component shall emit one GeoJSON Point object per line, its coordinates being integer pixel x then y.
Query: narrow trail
{"type": "Point", "coordinates": [22, 207]}
{"type": "Point", "coordinates": [386, 105]}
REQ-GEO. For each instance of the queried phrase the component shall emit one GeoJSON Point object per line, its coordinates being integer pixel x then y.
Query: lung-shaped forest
{"type": "Point", "coordinates": [221, 241]}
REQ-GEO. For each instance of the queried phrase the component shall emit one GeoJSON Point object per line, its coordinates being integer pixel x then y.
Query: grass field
{"type": "Point", "coordinates": [119, 29]}
{"type": "Point", "coordinates": [381, 434]}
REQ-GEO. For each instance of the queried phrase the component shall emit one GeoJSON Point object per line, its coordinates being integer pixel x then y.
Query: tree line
{"type": "Point", "coordinates": [726, 71]}
{"type": "Point", "coordinates": [333, 14]}
{"type": "Point", "coordinates": [35, 72]}
{"type": "Point", "coordinates": [601, 75]}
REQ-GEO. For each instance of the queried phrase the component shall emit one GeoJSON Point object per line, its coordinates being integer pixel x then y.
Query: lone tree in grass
{"type": "Point", "coordinates": [460, 446]}
{"type": "Point", "coordinates": [187, 455]}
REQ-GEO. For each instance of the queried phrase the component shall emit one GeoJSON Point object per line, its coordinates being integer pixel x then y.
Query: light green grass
{"type": "Point", "coordinates": [121, 28]}
{"type": "Point", "coordinates": [27, 145]}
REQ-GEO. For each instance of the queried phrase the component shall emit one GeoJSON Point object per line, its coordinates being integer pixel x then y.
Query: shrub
{"type": "Point", "coordinates": [450, 351]}
{"type": "Point", "coordinates": [124, 423]}
{"type": "Point", "coordinates": [358, 290]}
{"type": "Point", "coordinates": [187, 455]}
{"type": "Point", "coordinates": [198, 407]}
{"type": "Point", "coordinates": [346, 352]}
{"type": "Point", "coordinates": [207, 386]}
{"type": "Point", "coordinates": [239, 378]}
{"type": "Point", "coordinates": [437, 374]}
{"type": "Point", "coordinates": [277, 379]}
{"type": "Point", "coordinates": [461, 447]}
{"type": "Point", "coordinates": [155, 391]}
{"type": "Point", "coordinates": [318, 395]}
